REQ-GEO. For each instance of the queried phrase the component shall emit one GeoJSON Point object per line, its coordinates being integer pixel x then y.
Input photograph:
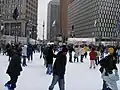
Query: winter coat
{"type": "Point", "coordinates": [92, 55]}
{"type": "Point", "coordinates": [24, 50]}
{"type": "Point", "coordinates": [59, 65]}
{"type": "Point", "coordinates": [50, 56]}
{"type": "Point", "coordinates": [86, 49]}
{"type": "Point", "coordinates": [111, 79]}
{"type": "Point", "coordinates": [29, 50]}
{"type": "Point", "coordinates": [82, 52]}
{"type": "Point", "coordinates": [14, 67]}
{"type": "Point", "coordinates": [111, 50]}
{"type": "Point", "coordinates": [77, 50]}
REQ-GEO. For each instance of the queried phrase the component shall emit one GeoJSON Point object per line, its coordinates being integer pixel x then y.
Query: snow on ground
{"type": "Point", "coordinates": [78, 76]}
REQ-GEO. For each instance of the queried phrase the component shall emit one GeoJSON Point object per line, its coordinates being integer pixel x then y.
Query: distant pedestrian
{"type": "Point", "coordinates": [92, 58]}
{"type": "Point", "coordinates": [30, 51]}
{"type": "Point", "coordinates": [24, 55]}
{"type": "Point", "coordinates": [59, 69]}
{"type": "Point", "coordinates": [76, 55]}
{"type": "Point", "coordinates": [82, 52]}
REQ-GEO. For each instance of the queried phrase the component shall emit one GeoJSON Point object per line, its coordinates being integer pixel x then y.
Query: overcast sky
{"type": "Point", "coordinates": [42, 16]}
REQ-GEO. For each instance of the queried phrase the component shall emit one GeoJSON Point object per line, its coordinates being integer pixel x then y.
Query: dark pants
{"type": "Point", "coordinates": [70, 56]}
{"type": "Point", "coordinates": [12, 82]}
{"type": "Point", "coordinates": [85, 54]}
{"type": "Point", "coordinates": [75, 59]}
{"type": "Point", "coordinates": [41, 54]}
{"type": "Point", "coordinates": [30, 57]}
{"type": "Point", "coordinates": [60, 81]}
{"type": "Point", "coordinates": [97, 60]}
{"type": "Point", "coordinates": [24, 61]}
{"type": "Point", "coordinates": [82, 56]}
{"type": "Point", "coordinates": [118, 59]}
{"type": "Point", "coordinates": [105, 86]}
{"type": "Point", "coordinates": [49, 69]}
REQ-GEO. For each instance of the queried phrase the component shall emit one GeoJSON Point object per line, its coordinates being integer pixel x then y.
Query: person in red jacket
{"type": "Point", "coordinates": [92, 58]}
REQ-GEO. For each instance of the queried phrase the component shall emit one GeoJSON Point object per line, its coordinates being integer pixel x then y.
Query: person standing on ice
{"type": "Point", "coordinates": [70, 48]}
{"type": "Point", "coordinates": [92, 55]}
{"type": "Point", "coordinates": [76, 55]}
{"type": "Point", "coordinates": [59, 69]}
{"type": "Point", "coordinates": [14, 68]}
{"type": "Point", "coordinates": [86, 50]}
{"type": "Point", "coordinates": [30, 52]}
{"type": "Point", "coordinates": [49, 59]}
{"type": "Point", "coordinates": [82, 52]}
{"type": "Point", "coordinates": [24, 54]}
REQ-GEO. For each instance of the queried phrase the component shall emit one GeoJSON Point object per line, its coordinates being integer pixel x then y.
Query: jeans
{"type": "Point", "coordinates": [49, 69]}
{"type": "Point", "coordinates": [30, 57]}
{"type": "Point", "coordinates": [60, 81]}
{"type": "Point", "coordinates": [97, 60]}
{"type": "Point", "coordinates": [24, 61]}
{"type": "Point", "coordinates": [85, 54]}
{"type": "Point", "coordinates": [13, 80]}
{"type": "Point", "coordinates": [76, 58]}
{"type": "Point", "coordinates": [82, 56]}
{"type": "Point", "coordinates": [70, 56]}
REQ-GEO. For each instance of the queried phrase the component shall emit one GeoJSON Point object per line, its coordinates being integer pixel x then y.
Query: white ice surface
{"type": "Point", "coordinates": [78, 76]}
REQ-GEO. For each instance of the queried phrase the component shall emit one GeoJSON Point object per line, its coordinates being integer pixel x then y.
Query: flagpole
{"type": "Point", "coordinates": [43, 31]}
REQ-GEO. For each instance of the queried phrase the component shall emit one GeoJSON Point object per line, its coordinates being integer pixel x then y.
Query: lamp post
{"type": "Point", "coordinates": [43, 31]}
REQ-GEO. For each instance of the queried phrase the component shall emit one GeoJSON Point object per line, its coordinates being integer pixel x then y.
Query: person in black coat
{"type": "Point", "coordinates": [59, 69]}
{"type": "Point", "coordinates": [14, 68]}
{"type": "Point", "coordinates": [49, 59]}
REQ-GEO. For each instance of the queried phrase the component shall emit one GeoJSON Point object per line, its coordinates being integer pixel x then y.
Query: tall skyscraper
{"type": "Point", "coordinates": [27, 20]}
{"type": "Point", "coordinates": [94, 18]}
{"type": "Point", "coordinates": [64, 18]}
{"type": "Point", "coordinates": [53, 20]}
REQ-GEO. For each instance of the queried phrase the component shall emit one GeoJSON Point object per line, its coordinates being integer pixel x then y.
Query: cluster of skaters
{"type": "Point", "coordinates": [56, 62]}
{"type": "Point", "coordinates": [18, 54]}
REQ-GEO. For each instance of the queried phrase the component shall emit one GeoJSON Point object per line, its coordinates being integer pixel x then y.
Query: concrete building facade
{"type": "Point", "coordinates": [94, 18]}
{"type": "Point", "coordinates": [27, 14]}
{"type": "Point", "coordinates": [53, 20]}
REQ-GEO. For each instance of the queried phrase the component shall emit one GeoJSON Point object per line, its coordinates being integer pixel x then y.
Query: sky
{"type": "Point", "coordinates": [42, 16]}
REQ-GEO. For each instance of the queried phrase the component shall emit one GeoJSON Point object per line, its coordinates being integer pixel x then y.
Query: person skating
{"type": "Point", "coordinates": [118, 55]}
{"type": "Point", "coordinates": [86, 50]}
{"type": "Point", "coordinates": [76, 55]}
{"type": "Point", "coordinates": [92, 55]}
{"type": "Point", "coordinates": [14, 68]}
{"type": "Point", "coordinates": [24, 54]}
{"type": "Point", "coordinates": [30, 52]}
{"type": "Point", "coordinates": [59, 69]}
{"type": "Point", "coordinates": [82, 52]}
{"type": "Point", "coordinates": [50, 57]}
{"type": "Point", "coordinates": [70, 53]}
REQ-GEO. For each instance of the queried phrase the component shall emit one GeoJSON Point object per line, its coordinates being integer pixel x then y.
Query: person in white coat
{"type": "Point", "coordinates": [76, 55]}
{"type": "Point", "coordinates": [82, 52]}
{"type": "Point", "coordinates": [24, 54]}
{"type": "Point", "coordinates": [111, 78]}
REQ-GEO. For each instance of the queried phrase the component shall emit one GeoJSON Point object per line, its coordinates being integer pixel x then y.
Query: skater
{"type": "Point", "coordinates": [92, 58]}
{"type": "Point", "coordinates": [97, 57]}
{"type": "Point", "coordinates": [30, 52]}
{"type": "Point", "coordinates": [86, 50]}
{"type": "Point", "coordinates": [50, 57]}
{"type": "Point", "coordinates": [59, 69]}
{"type": "Point", "coordinates": [82, 52]}
{"type": "Point", "coordinates": [118, 55]}
{"type": "Point", "coordinates": [76, 55]}
{"type": "Point", "coordinates": [70, 53]}
{"type": "Point", "coordinates": [14, 68]}
{"type": "Point", "coordinates": [24, 54]}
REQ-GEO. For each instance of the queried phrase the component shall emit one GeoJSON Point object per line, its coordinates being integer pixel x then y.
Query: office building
{"type": "Point", "coordinates": [26, 24]}
{"type": "Point", "coordinates": [94, 18]}
{"type": "Point", "coordinates": [53, 20]}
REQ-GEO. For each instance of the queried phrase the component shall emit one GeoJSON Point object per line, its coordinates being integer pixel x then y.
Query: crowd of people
{"type": "Point", "coordinates": [104, 56]}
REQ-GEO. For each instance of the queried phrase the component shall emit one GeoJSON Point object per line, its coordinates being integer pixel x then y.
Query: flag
{"type": "Point", "coordinates": [15, 13]}
{"type": "Point", "coordinates": [53, 24]}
